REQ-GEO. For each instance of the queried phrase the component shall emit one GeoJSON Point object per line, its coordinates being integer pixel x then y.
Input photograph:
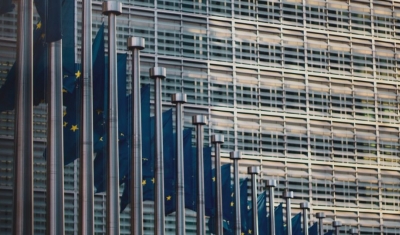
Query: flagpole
{"type": "Point", "coordinates": [353, 231]}
{"type": "Point", "coordinates": [288, 195]}
{"type": "Point", "coordinates": [271, 184]}
{"type": "Point", "coordinates": [320, 216]}
{"type": "Point", "coordinates": [23, 125]}
{"type": "Point", "coordinates": [199, 121]}
{"type": "Point", "coordinates": [158, 73]}
{"type": "Point", "coordinates": [236, 156]}
{"type": "Point", "coordinates": [217, 140]}
{"type": "Point", "coordinates": [305, 206]}
{"type": "Point", "coordinates": [55, 150]}
{"type": "Point", "coordinates": [179, 99]}
{"type": "Point", "coordinates": [86, 188]}
{"type": "Point", "coordinates": [254, 171]}
{"type": "Point", "coordinates": [336, 224]}
{"type": "Point", "coordinates": [135, 44]}
{"type": "Point", "coordinates": [112, 9]}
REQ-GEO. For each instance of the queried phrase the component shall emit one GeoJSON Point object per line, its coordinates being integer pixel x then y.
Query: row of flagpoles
{"type": "Point", "coordinates": [23, 165]}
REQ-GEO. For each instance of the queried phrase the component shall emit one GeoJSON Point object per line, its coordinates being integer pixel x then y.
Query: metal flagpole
{"type": "Point", "coordinates": [271, 184]}
{"type": "Point", "coordinates": [158, 73]}
{"type": "Point", "coordinates": [135, 44]}
{"type": "Point", "coordinates": [305, 206]}
{"type": "Point", "coordinates": [179, 99]}
{"type": "Point", "coordinates": [199, 121]}
{"type": "Point", "coordinates": [288, 195]}
{"type": "Point", "coordinates": [254, 171]}
{"type": "Point", "coordinates": [320, 216]}
{"type": "Point", "coordinates": [217, 140]}
{"type": "Point", "coordinates": [23, 125]}
{"type": "Point", "coordinates": [236, 156]}
{"type": "Point", "coordinates": [55, 150]}
{"type": "Point", "coordinates": [112, 9]}
{"type": "Point", "coordinates": [353, 231]}
{"type": "Point", "coordinates": [336, 224]}
{"type": "Point", "coordinates": [86, 188]}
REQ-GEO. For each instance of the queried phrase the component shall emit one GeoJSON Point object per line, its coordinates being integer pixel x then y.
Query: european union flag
{"type": "Point", "coordinates": [7, 91]}
{"type": "Point", "coordinates": [313, 230]}
{"type": "Point", "coordinates": [244, 205]}
{"type": "Point", "coordinates": [6, 6]}
{"type": "Point", "coordinates": [50, 12]}
{"type": "Point", "coordinates": [148, 181]}
{"type": "Point", "coordinates": [262, 215]}
{"type": "Point", "coordinates": [279, 229]}
{"type": "Point", "coordinates": [296, 225]}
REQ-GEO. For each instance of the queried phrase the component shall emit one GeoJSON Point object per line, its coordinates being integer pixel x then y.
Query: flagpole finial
{"type": "Point", "coordinates": [353, 231]}
{"type": "Point", "coordinates": [270, 183]}
{"type": "Point", "coordinates": [287, 194]}
{"type": "Point", "coordinates": [158, 72]}
{"type": "Point", "coordinates": [217, 139]}
{"type": "Point", "coordinates": [235, 155]}
{"type": "Point", "coordinates": [179, 98]}
{"type": "Point", "coordinates": [135, 43]}
{"type": "Point", "coordinates": [336, 223]}
{"type": "Point", "coordinates": [199, 120]}
{"type": "Point", "coordinates": [304, 205]}
{"type": "Point", "coordinates": [112, 7]}
{"type": "Point", "coordinates": [253, 170]}
{"type": "Point", "coordinates": [320, 215]}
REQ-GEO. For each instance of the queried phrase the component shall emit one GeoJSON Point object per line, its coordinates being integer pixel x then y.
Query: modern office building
{"type": "Point", "coordinates": [307, 89]}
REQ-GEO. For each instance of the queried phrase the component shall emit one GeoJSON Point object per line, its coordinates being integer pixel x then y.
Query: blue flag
{"type": "Point", "coordinates": [296, 225]}
{"type": "Point", "coordinates": [244, 205]}
{"type": "Point", "coordinates": [50, 11]}
{"type": "Point", "coordinates": [330, 232]}
{"type": "Point", "coordinates": [313, 230]}
{"type": "Point", "coordinates": [6, 6]}
{"type": "Point", "coordinates": [262, 215]}
{"type": "Point", "coordinates": [148, 181]}
{"type": "Point", "coordinates": [279, 229]}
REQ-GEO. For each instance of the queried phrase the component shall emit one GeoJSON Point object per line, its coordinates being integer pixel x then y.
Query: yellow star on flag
{"type": "Point", "coordinates": [101, 138]}
{"type": "Point", "coordinates": [143, 182]}
{"type": "Point", "coordinates": [242, 234]}
{"type": "Point", "coordinates": [65, 112]}
{"type": "Point", "coordinates": [232, 204]}
{"type": "Point", "coordinates": [213, 179]}
{"type": "Point", "coordinates": [39, 25]}
{"type": "Point", "coordinates": [78, 74]}
{"type": "Point", "coordinates": [168, 198]}
{"type": "Point", "coordinates": [64, 91]}
{"type": "Point", "coordinates": [74, 128]}
{"type": "Point", "coordinates": [65, 124]}
{"type": "Point", "coordinates": [42, 35]}
{"type": "Point", "coordinates": [249, 231]}
{"type": "Point", "coordinates": [153, 180]}
{"type": "Point", "coordinates": [122, 134]}
{"type": "Point", "coordinates": [99, 111]}
{"type": "Point", "coordinates": [232, 194]}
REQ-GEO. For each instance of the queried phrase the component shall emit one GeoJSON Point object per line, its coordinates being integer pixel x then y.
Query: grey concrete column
{"type": "Point", "coordinates": [199, 121]}
{"type": "Point", "coordinates": [135, 44]}
{"type": "Point", "coordinates": [254, 171]}
{"type": "Point", "coordinates": [158, 73]}
{"type": "Point", "coordinates": [320, 216]}
{"type": "Point", "coordinates": [336, 224]}
{"type": "Point", "coordinates": [236, 156]}
{"type": "Point", "coordinates": [179, 99]}
{"type": "Point", "coordinates": [288, 195]}
{"type": "Point", "coordinates": [271, 184]}
{"type": "Point", "coordinates": [305, 206]}
{"type": "Point", "coordinates": [112, 9]}
{"type": "Point", "coordinates": [217, 140]}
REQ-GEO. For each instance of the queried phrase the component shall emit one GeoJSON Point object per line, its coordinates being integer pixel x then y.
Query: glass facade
{"type": "Point", "coordinates": [307, 89]}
